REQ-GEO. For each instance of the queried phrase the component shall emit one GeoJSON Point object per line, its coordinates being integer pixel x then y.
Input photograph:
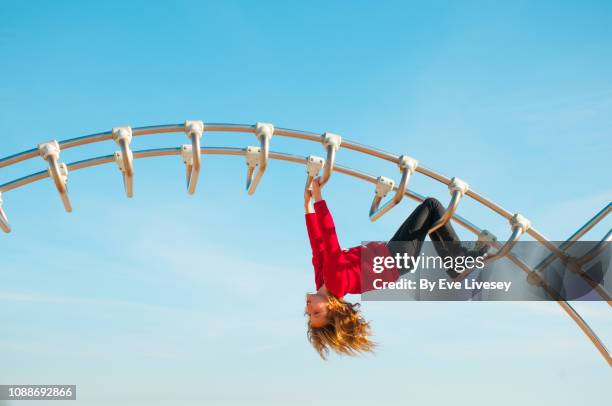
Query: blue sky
{"type": "Point", "coordinates": [198, 299]}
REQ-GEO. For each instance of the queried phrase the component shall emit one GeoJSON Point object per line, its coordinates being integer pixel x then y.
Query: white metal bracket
{"type": "Point", "coordinates": [383, 186]}
{"type": "Point", "coordinates": [194, 130]}
{"type": "Point", "coordinates": [519, 221]}
{"type": "Point", "coordinates": [407, 166]}
{"type": "Point", "coordinates": [58, 172]}
{"type": "Point", "coordinates": [457, 189]}
{"type": "Point", "coordinates": [257, 166]}
{"type": "Point", "coordinates": [332, 143]}
{"type": "Point", "coordinates": [4, 222]}
{"type": "Point", "coordinates": [124, 158]}
{"type": "Point", "coordinates": [187, 155]}
{"type": "Point", "coordinates": [313, 167]}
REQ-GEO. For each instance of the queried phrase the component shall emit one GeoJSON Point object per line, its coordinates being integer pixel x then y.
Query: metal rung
{"type": "Point", "coordinates": [257, 166]}
{"type": "Point", "coordinates": [407, 166]}
{"type": "Point", "coordinates": [457, 189]}
{"type": "Point", "coordinates": [519, 225]}
{"type": "Point", "coordinates": [331, 142]}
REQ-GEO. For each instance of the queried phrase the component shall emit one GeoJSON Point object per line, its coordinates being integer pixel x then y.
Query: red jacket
{"type": "Point", "coordinates": [341, 270]}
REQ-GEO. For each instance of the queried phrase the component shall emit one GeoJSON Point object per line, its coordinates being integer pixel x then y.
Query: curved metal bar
{"type": "Point", "coordinates": [569, 310]}
{"type": "Point", "coordinates": [596, 250]}
{"type": "Point", "coordinates": [574, 264]}
{"type": "Point", "coordinates": [577, 235]}
{"type": "Point", "coordinates": [25, 180]}
{"type": "Point", "coordinates": [586, 329]}
{"type": "Point", "coordinates": [4, 222]}
{"type": "Point", "coordinates": [300, 160]}
{"type": "Point", "coordinates": [591, 223]}
{"type": "Point", "coordinates": [50, 152]}
{"type": "Point", "coordinates": [257, 158]}
{"type": "Point", "coordinates": [331, 142]}
{"type": "Point", "coordinates": [18, 157]}
{"type": "Point", "coordinates": [303, 135]}
{"type": "Point", "coordinates": [99, 137]}
{"type": "Point", "coordinates": [507, 247]}
{"type": "Point", "coordinates": [534, 278]}
{"type": "Point", "coordinates": [407, 165]}
{"type": "Point", "coordinates": [194, 130]}
{"type": "Point", "coordinates": [124, 158]}
{"type": "Point", "coordinates": [457, 188]}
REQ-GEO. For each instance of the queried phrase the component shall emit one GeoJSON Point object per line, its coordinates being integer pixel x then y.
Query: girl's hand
{"type": "Point", "coordinates": [316, 189]}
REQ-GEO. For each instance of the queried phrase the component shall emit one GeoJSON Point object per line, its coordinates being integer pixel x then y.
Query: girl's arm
{"type": "Point", "coordinates": [326, 223]}
{"type": "Point", "coordinates": [333, 268]}
{"type": "Point", "coordinates": [331, 246]}
{"type": "Point", "coordinates": [316, 240]}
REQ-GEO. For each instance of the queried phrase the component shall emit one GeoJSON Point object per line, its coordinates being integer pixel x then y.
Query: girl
{"type": "Point", "coordinates": [337, 324]}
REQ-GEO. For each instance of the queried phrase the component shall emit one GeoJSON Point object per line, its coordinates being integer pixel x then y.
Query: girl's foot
{"type": "Point", "coordinates": [478, 249]}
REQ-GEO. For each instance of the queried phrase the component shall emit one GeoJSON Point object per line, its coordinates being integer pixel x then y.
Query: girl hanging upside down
{"type": "Point", "coordinates": [337, 324]}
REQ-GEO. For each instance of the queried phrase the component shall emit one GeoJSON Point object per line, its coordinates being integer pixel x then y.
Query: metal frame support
{"type": "Point", "coordinates": [575, 237]}
{"type": "Point", "coordinates": [94, 138]}
{"type": "Point", "coordinates": [313, 167]}
{"type": "Point", "coordinates": [596, 250]}
{"type": "Point", "coordinates": [191, 153]}
{"type": "Point", "coordinates": [407, 166]}
{"type": "Point", "coordinates": [124, 158]}
{"type": "Point", "coordinates": [4, 222]}
{"type": "Point", "coordinates": [58, 172]}
{"type": "Point", "coordinates": [331, 142]}
{"type": "Point", "coordinates": [257, 157]}
{"type": "Point", "coordinates": [519, 225]}
{"type": "Point", "coordinates": [457, 189]}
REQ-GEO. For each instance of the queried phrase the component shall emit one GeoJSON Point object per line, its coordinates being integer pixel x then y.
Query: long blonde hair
{"type": "Point", "coordinates": [346, 332]}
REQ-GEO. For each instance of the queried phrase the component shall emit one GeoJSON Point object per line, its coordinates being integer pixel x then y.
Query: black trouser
{"type": "Point", "coordinates": [411, 234]}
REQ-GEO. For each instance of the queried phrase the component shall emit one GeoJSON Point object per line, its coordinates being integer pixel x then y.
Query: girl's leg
{"type": "Point", "coordinates": [445, 239]}
{"type": "Point", "coordinates": [411, 234]}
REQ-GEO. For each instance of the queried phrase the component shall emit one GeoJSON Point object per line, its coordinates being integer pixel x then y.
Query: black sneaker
{"type": "Point", "coordinates": [452, 273]}
{"type": "Point", "coordinates": [477, 249]}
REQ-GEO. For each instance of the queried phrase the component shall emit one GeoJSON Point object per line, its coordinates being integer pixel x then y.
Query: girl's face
{"type": "Point", "coordinates": [316, 309]}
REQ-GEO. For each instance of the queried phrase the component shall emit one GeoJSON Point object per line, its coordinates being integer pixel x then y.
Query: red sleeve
{"type": "Point", "coordinates": [333, 266]}
{"type": "Point", "coordinates": [316, 244]}
{"type": "Point", "coordinates": [328, 229]}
